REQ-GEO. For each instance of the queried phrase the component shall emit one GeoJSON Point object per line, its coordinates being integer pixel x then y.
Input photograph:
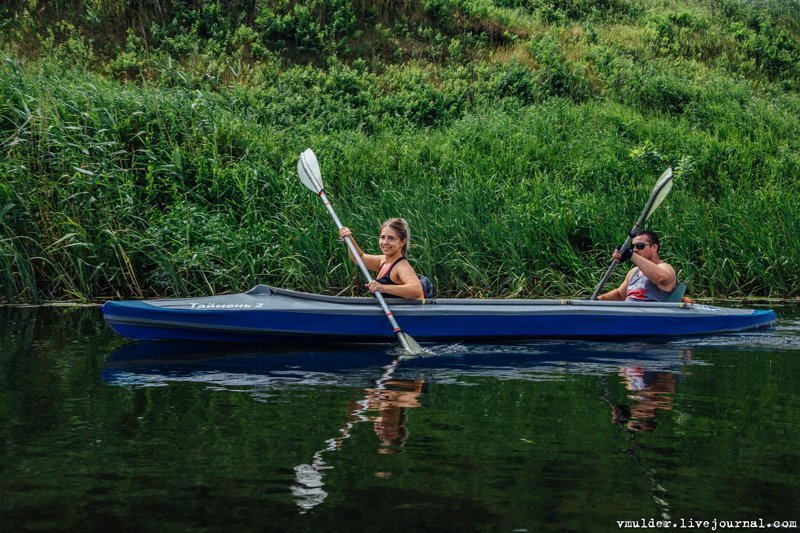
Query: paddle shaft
{"type": "Point", "coordinates": [395, 327]}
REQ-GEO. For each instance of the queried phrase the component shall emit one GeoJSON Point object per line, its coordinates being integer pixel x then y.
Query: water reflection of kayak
{"type": "Point", "coordinates": [160, 363]}
{"type": "Point", "coordinates": [270, 315]}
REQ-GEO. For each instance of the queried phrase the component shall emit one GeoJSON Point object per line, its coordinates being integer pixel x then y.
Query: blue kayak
{"type": "Point", "coordinates": [279, 316]}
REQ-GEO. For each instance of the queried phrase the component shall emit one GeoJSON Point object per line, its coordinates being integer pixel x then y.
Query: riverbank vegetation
{"type": "Point", "coordinates": [149, 148]}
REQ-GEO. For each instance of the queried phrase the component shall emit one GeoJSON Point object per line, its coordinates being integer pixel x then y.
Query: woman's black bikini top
{"type": "Point", "coordinates": [386, 278]}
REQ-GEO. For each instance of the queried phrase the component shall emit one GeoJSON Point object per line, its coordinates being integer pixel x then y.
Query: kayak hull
{"type": "Point", "coordinates": [278, 316]}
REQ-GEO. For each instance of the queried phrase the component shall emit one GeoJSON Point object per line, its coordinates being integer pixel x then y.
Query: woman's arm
{"type": "Point", "coordinates": [372, 262]}
{"type": "Point", "coordinates": [408, 285]}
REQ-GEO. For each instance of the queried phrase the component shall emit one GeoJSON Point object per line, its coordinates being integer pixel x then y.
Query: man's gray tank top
{"type": "Point", "coordinates": [641, 289]}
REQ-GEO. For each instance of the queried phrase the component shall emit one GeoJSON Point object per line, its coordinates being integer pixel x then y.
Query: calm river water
{"type": "Point", "coordinates": [97, 433]}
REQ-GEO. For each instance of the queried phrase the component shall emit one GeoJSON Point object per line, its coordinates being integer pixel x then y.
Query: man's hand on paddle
{"type": "Point", "coordinates": [622, 255]}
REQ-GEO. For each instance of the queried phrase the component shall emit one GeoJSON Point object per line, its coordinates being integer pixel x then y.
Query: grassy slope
{"type": "Point", "coordinates": [150, 149]}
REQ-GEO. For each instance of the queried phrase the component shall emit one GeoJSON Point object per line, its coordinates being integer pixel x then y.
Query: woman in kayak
{"type": "Point", "coordinates": [396, 276]}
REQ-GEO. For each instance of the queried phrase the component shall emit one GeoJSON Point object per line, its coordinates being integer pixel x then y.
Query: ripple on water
{"type": "Point", "coordinates": [785, 336]}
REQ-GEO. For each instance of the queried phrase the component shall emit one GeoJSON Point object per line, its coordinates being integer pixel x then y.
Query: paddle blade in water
{"type": "Point", "coordinates": [308, 170]}
{"type": "Point", "coordinates": [660, 191]}
{"type": "Point", "coordinates": [411, 346]}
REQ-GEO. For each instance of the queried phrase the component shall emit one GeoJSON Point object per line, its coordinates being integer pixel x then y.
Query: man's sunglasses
{"type": "Point", "coordinates": [641, 245]}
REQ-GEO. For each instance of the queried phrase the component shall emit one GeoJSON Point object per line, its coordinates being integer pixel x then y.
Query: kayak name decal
{"type": "Point", "coordinates": [196, 305]}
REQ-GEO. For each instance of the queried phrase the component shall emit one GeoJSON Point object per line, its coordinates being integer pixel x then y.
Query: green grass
{"type": "Point", "coordinates": [521, 152]}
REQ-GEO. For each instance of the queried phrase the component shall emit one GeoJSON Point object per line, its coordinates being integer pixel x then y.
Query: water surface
{"type": "Point", "coordinates": [96, 432]}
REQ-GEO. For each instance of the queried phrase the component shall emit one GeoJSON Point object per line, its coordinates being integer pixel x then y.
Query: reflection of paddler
{"type": "Point", "coordinates": [652, 392]}
{"type": "Point", "coordinates": [391, 400]}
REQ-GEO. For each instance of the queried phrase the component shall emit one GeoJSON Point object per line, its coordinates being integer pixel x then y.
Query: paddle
{"type": "Point", "coordinates": [660, 191]}
{"type": "Point", "coordinates": [308, 170]}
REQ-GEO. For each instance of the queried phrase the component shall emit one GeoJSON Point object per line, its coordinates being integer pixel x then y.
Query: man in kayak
{"type": "Point", "coordinates": [650, 280]}
{"type": "Point", "coordinates": [396, 276]}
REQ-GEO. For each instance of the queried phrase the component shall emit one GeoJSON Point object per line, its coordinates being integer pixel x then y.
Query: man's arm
{"type": "Point", "coordinates": [619, 293]}
{"type": "Point", "coordinates": [662, 274]}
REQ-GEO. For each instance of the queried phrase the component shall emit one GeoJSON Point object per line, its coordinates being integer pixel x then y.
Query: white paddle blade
{"type": "Point", "coordinates": [667, 175]}
{"type": "Point", "coordinates": [661, 190]}
{"type": "Point", "coordinates": [308, 171]}
{"type": "Point", "coordinates": [409, 344]}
